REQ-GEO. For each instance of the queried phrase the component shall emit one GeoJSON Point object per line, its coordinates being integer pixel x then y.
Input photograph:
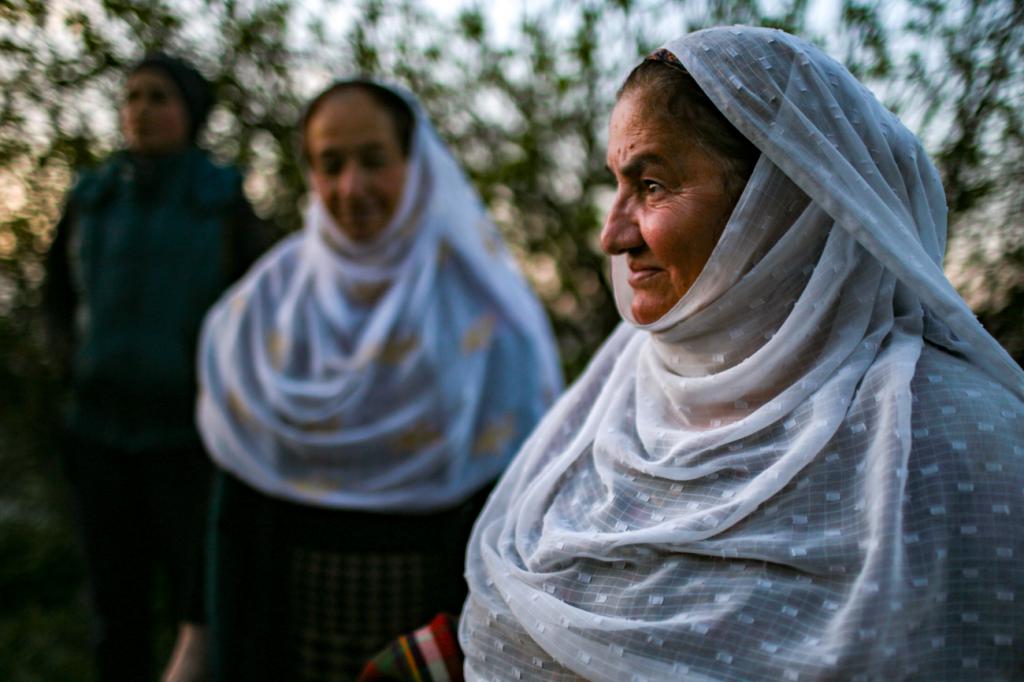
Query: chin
{"type": "Point", "coordinates": [645, 310]}
{"type": "Point", "coordinates": [360, 228]}
{"type": "Point", "coordinates": [362, 233]}
{"type": "Point", "coordinates": [644, 315]}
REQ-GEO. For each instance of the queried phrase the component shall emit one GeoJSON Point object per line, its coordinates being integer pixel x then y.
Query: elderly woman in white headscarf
{"type": "Point", "coordinates": [800, 457]}
{"type": "Point", "coordinates": [362, 388]}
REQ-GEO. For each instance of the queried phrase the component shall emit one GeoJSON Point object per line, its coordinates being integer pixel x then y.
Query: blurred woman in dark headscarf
{"type": "Point", "coordinates": [147, 243]}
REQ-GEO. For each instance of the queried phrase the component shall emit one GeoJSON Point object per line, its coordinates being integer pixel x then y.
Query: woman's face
{"type": "Point", "coordinates": [670, 206]}
{"type": "Point", "coordinates": [356, 165]}
{"type": "Point", "coordinates": [154, 119]}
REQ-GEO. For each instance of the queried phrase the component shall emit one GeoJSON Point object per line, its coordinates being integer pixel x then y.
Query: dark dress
{"type": "Point", "coordinates": [303, 593]}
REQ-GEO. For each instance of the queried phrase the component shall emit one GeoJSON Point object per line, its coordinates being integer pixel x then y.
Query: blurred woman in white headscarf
{"type": "Point", "coordinates": [800, 456]}
{"type": "Point", "coordinates": [362, 388]}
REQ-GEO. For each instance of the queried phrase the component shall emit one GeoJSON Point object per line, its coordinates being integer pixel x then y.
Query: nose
{"type": "Point", "coordinates": [621, 232]}
{"type": "Point", "coordinates": [351, 180]}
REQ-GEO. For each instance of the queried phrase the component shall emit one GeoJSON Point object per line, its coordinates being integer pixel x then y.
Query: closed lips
{"type": "Point", "coordinates": [638, 272]}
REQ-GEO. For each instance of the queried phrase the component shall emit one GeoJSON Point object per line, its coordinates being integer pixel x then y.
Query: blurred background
{"type": "Point", "coordinates": [521, 93]}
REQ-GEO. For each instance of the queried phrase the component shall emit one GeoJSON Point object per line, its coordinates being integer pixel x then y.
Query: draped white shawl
{"type": "Point", "coordinates": [812, 467]}
{"type": "Point", "coordinates": [395, 375]}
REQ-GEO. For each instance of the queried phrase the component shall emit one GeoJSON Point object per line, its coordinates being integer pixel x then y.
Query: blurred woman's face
{"type": "Point", "coordinates": [154, 118]}
{"type": "Point", "coordinates": [670, 206]}
{"type": "Point", "coordinates": [356, 164]}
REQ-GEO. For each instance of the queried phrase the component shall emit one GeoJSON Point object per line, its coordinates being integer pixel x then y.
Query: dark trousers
{"type": "Point", "coordinates": [141, 519]}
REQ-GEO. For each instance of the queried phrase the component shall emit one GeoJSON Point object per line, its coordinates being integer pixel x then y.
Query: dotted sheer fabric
{"type": "Point", "coordinates": [812, 467]}
{"type": "Point", "coordinates": [398, 374]}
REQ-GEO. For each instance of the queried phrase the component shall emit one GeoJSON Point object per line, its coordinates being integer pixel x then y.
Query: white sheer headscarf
{"type": "Point", "coordinates": [399, 374]}
{"type": "Point", "coordinates": [812, 467]}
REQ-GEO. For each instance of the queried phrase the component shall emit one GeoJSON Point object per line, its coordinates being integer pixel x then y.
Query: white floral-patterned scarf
{"type": "Point", "coordinates": [395, 375]}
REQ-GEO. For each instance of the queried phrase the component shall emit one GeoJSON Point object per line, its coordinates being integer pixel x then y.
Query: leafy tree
{"type": "Point", "coordinates": [974, 85]}
{"type": "Point", "coordinates": [524, 107]}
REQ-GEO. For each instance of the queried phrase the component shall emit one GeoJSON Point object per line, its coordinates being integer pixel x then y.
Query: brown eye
{"type": "Point", "coordinates": [651, 187]}
{"type": "Point", "coordinates": [374, 160]}
{"type": "Point", "coordinates": [330, 165]}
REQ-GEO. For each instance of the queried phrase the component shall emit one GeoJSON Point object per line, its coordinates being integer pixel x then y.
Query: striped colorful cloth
{"type": "Point", "coordinates": [430, 654]}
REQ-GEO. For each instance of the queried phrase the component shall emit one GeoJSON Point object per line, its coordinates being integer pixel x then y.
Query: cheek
{"type": "Point", "coordinates": [178, 121]}
{"type": "Point", "coordinates": [683, 235]}
{"type": "Point", "coordinates": [391, 185]}
{"type": "Point", "coordinates": [128, 118]}
{"type": "Point", "coordinates": [126, 126]}
{"type": "Point", "coordinates": [670, 234]}
{"type": "Point", "coordinates": [322, 186]}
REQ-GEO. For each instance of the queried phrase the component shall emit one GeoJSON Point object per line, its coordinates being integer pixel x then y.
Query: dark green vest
{"type": "Point", "coordinates": [148, 259]}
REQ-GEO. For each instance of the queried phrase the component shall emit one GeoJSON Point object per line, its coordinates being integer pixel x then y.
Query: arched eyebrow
{"type": "Point", "coordinates": [638, 164]}
{"type": "Point", "coordinates": [361, 148]}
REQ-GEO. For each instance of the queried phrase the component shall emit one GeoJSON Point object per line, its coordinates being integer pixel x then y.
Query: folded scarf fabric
{"type": "Point", "coordinates": [395, 375]}
{"type": "Point", "coordinates": [812, 467]}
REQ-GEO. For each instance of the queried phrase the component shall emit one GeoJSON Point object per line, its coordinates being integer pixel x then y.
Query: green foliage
{"type": "Point", "coordinates": [44, 624]}
{"type": "Point", "coordinates": [525, 114]}
{"type": "Point", "coordinates": [969, 75]}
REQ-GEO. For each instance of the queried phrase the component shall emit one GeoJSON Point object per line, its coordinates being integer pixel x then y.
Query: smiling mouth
{"type": "Point", "coordinates": [639, 274]}
{"type": "Point", "coordinates": [362, 213]}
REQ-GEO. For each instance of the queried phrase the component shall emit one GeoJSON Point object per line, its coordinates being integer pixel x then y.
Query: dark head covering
{"type": "Point", "coordinates": [195, 89]}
